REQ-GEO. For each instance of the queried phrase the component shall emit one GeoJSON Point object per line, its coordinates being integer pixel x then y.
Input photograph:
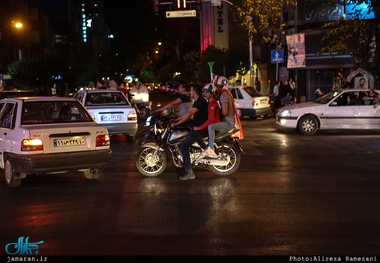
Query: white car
{"type": "Point", "coordinates": [332, 112]}
{"type": "Point", "coordinates": [249, 102]}
{"type": "Point", "coordinates": [111, 109]}
{"type": "Point", "coordinates": [50, 135]}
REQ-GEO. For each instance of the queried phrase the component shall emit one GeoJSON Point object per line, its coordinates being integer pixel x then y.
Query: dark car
{"type": "Point", "coordinates": [16, 93]}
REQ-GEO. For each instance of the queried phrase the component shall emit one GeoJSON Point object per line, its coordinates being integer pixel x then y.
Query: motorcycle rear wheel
{"type": "Point", "coordinates": [149, 165]}
{"type": "Point", "coordinates": [233, 164]}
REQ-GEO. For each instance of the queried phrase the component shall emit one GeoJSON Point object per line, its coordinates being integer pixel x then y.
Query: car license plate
{"type": "Point", "coordinates": [69, 142]}
{"type": "Point", "coordinates": [111, 117]}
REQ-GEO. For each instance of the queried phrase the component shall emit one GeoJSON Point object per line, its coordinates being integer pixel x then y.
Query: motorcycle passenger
{"type": "Point", "coordinates": [182, 104]}
{"type": "Point", "coordinates": [213, 116]}
{"type": "Point", "coordinates": [229, 112]}
{"type": "Point", "coordinates": [199, 113]}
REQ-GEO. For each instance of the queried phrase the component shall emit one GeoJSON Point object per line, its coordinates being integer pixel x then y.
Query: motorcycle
{"type": "Point", "coordinates": [154, 145]}
{"type": "Point", "coordinates": [143, 109]}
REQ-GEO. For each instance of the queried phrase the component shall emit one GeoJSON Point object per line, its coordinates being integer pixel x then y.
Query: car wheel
{"type": "Point", "coordinates": [92, 174]}
{"type": "Point", "coordinates": [308, 125]}
{"type": "Point", "coordinates": [11, 177]}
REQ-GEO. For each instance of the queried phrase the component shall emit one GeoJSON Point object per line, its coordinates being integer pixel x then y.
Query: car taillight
{"type": "Point", "coordinates": [255, 102]}
{"type": "Point", "coordinates": [103, 140]}
{"type": "Point", "coordinates": [132, 116]}
{"type": "Point", "coordinates": [32, 145]}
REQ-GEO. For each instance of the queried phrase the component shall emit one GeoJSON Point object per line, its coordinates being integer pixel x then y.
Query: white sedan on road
{"type": "Point", "coordinates": [249, 102]}
{"type": "Point", "coordinates": [332, 111]}
{"type": "Point", "coordinates": [111, 109]}
{"type": "Point", "coordinates": [50, 135]}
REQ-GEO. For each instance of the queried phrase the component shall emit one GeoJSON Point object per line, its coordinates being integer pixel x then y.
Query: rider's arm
{"type": "Point", "coordinates": [171, 104]}
{"type": "Point", "coordinates": [186, 116]}
{"type": "Point", "coordinates": [211, 115]}
{"type": "Point", "coordinates": [224, 108]}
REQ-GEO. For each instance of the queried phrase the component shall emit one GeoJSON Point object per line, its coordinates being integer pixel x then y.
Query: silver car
{"type": "Point", "coordinates": [111, 109]}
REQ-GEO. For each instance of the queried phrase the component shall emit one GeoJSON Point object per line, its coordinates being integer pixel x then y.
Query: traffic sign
{"type": "Point", "coordinates": [181, 13]}
{"type": "Point", "coordinates": [277, 56]}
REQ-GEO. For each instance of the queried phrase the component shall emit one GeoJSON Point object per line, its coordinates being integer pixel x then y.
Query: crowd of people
{"type": "Point", "coordinates": [282, 92]}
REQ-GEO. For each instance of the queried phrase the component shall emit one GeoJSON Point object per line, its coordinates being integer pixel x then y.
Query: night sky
{"type": "Point", "coordinates": [122, 17]}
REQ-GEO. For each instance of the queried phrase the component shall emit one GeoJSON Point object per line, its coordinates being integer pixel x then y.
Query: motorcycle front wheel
{"type": "Point", "coordinates": [143, 114]}
{"type": "Point", "coordinates": [227, 151]}
{"type": "Point", "coordinates": [149, 165]}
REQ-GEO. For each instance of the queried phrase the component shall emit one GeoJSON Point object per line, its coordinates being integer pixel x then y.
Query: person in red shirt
{"type": "Point", "coordinates": [213, 116]}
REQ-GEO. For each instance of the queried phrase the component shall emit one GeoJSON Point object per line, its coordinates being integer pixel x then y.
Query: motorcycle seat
{"type": "Point", "coordinates": [221, 135]}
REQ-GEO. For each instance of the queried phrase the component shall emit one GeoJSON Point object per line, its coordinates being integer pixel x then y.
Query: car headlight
{"type": "Point", "coordinates": [285, 113]}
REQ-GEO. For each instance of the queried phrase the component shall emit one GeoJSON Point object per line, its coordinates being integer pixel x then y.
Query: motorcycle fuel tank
{"type": "Point", "coordinates": [178, 135]}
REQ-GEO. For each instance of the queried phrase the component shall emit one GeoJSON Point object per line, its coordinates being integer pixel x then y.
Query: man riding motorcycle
{"type": "Point", "coordinates": [199, 113]}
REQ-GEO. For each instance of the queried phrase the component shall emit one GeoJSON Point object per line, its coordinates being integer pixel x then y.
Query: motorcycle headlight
{"type": "Point", "coordinates": [147, 121]}
{"type": "Point", "coordinates": [285, 113]}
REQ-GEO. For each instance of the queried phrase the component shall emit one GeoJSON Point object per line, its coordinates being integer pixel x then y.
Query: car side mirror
{"type": "Point", "coordinates": [334, 103]}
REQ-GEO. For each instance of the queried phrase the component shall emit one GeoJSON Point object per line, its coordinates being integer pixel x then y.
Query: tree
{"type": "Point", "coordinates": [356, 36]}
{"type": "Point", "coordinates": [27, 72]}
{"type": "Point", "coordinates": [226, 63]}
{"type": "Point", "coordinates": [258, 16]}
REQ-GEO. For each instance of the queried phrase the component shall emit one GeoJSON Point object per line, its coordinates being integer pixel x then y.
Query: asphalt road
{"type": "Point", "coordinates": [292, 195]}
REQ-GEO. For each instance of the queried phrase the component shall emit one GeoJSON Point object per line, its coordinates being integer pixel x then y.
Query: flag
{"type": "Point", "coordinates": [319, 91]}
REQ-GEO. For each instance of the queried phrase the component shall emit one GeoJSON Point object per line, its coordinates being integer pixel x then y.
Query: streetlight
{"type": "Point", "coordinates": [15, 24]}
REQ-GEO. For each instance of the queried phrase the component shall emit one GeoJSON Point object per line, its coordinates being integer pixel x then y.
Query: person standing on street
{"type": "Point", "coordinates": [258, 86]}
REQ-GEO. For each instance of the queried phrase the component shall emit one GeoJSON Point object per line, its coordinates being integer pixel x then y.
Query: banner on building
{"type": "Point", "coordinates": [296, 51]}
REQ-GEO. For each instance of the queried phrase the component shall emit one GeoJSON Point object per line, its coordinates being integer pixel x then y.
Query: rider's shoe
{"type": "Point", "coordinates": [189, 175]}
{"type": "Point", "coordinates": [207, 153]}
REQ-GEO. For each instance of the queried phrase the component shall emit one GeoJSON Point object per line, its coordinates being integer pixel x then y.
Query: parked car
{"type": "Point", "coordinates": [50, 135]}
{"type": "Point", "coordinates": [111, 109]}
{"type": "Point", "coordinates": [16, 93]}
{"type": "Point", "coordinates": [331, 112]}
{"type": "Point", "coordinates": [249, 102]}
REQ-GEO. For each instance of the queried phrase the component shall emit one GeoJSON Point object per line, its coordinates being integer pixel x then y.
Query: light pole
{"type": "Point", "coordinates": [17, 25]}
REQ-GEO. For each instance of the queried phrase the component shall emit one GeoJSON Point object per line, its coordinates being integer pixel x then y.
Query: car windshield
{"type": "Point", "coordinates": [53, 112]}
{"type": "Point", "coordinates": [105, 98]}
{"type": "Point", "coordinates": [326, 98]}
{"type": "Point", "coordinates": [252, 92]}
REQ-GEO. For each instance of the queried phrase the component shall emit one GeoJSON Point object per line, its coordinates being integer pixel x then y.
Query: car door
{"type": "Point", "coordinates": [339, 115]}
{"type": "Point", "coordinates": [369, 116]}
{"type": "Point", "coordinates": [7, 127]}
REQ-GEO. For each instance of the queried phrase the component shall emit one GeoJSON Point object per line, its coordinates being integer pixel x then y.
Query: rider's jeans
{"type": "Point", "coordinates": [221, 126]}
{"type": "Point", "coordinates": [185, 150]}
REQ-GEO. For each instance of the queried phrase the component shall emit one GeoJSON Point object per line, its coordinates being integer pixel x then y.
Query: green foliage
{"type": "Point", "coordinates": [357, 37]}
{"type": "Point", "coordinates": [258, 16]}
{"type": "Point", "coordinates": [27, 72]}
{"type": "Point", "coordinates": [226, 63]}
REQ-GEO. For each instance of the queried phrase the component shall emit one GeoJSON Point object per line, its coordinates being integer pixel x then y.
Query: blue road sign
{"type": "Point", "coordinates": [277, 56]}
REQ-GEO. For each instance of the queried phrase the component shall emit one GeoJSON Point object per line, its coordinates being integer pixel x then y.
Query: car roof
{"type": "Point", "coordinates": [99, 91]}
{"type": "Point", "coordinates": [16, 91]}
{"type": "Point", "coordinates": [36, 99]}
{"type": "Point", "coordinates": [357, 90]}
